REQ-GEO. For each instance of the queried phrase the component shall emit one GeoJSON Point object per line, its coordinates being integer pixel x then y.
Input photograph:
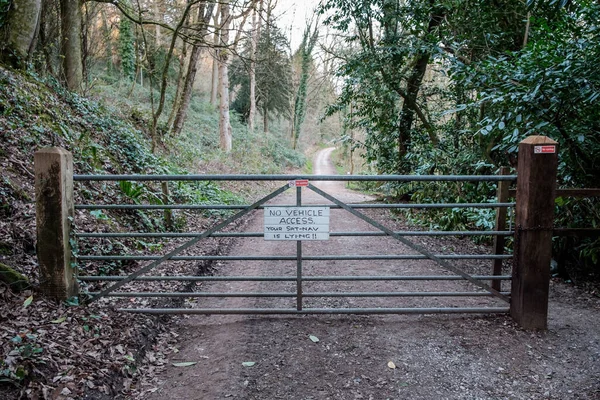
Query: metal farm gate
{"type": "Point", "coordinates": [448, 271]}
{"type": "Point", "coordinates": [526, 302]}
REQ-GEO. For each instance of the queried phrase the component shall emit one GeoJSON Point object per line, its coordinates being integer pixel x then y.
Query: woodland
{"type": "Point", "coordinates": [446, 87]}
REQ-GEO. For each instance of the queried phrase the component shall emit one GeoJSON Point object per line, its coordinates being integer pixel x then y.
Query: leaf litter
{"type": "Point", "coordinates": [58, 351]}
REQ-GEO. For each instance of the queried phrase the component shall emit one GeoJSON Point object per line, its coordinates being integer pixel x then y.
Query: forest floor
{"type": "Point", "coordinates": [375, 356]}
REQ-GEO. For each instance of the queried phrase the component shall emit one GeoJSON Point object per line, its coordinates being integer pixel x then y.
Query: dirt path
{"type": "Point", "coordinates": [435, 356]}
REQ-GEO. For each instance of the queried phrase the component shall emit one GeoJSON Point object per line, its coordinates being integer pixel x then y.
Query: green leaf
{"type": "Point", "coordinates": [314, 338]}
{"type": "Point", "coordinates": [72, 301]}
{"type": "Point", "coordinates": [59, 320]}
{"type": "Point", "coordinates": [98, 214]}
{"type": "Point", "coordinates": [248, 363]}
{"type": "Point", "coordinates": [185, 364]}
{"type": "Point", "coordinates": [27, 302]}
{"type": "Point", "coordinates": [21, 372]}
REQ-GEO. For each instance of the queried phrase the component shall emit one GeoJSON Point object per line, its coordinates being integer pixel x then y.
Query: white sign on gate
{"type": "Point", "coordinates": [297, 223]}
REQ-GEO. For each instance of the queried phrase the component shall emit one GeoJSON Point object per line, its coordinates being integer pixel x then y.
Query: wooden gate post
{"type": "Point", "coordinates": [54, 213]}
{"type": "Point", "coordinates": [536, 187]}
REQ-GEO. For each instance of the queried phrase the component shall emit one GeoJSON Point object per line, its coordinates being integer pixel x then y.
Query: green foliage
{"type": "Point", "coordinates": [305, 53]}
{"type": "Point", "coordinates": [25, 355]}
{"type": "Point", "coordinates": [265, 154]}
{"type": "Point", "coordinates": [138, 193]}
{"type": "Point", "coordinates": [492, 86]}
{"type": "Point", "coordinates": [377, 72]}
{"type": "Point", "coordinates": [273, 76]}
{"type": "Point", "coordinates": [199, 140]}
{"type": "Point", "coordinates": [104, 138]}
{"type": "Point", "coordinates": [550, 88]}
{"type": "Point", "coordinates": [4, 9]}
{"type": "Point", "coordinates": [127, 48]}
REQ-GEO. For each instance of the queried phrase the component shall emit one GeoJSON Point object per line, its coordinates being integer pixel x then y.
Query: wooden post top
{"type": "Point", "coordinates": [538, 140]}
{"type": "Point", "coordinates": [53, 150]}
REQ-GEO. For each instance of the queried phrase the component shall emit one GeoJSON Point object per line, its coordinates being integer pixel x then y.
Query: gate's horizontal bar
{"type": "Point", "coordinates": [307, 258]}
{"type": "Point", "coordinates": [193, 294]}
{"type": "Point", "coordinates": [304, 294]}
{"type": "Point", "coordinates": [241, 207]}
{"type": "Point", "coordinates": [261, 234]}
{"type": "Point", "coordinates": [255, 177]}
{"type": "Point", "coordinates": [263, 311]}
{"type": "Point", "coordinates": [294, 278]}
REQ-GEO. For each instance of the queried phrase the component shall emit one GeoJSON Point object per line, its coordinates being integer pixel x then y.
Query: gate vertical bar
{"type": "Point", "coordinates": [299, 258]}
{"type": "Point", "coordinates": [501, 212]}
{"type": "Point", "coordinates": [536, 188]}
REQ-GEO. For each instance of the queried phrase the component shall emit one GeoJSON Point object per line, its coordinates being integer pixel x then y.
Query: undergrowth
{"type": "Point", "coordinates": [108, 134]}
{"type": "Point", "coordinates": [197, 147]}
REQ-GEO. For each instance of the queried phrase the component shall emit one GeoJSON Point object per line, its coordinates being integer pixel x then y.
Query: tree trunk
{"type": "Point", "coordinates": [252, 72]}
{"type": "Point", "coordinates": [86, 32]}
{"type": "Point", "coordinates": [107, 42]}
{"type": "Point", "coordinates": [265, 121]}
{"type": "Point", "coordinates": [164, 76]}
{"type": "Point", "coordinates": [158, 16]}
{"type": "Point", "coordinates": [22, 22]}
{"type": "Point", "coordinates": [70, 46]}
{"type": "Point", "coordinates": [45, 20]}
{"type": "Point", "coordinates": [214, 90]}
{"type": "Point", "coordinates": [413, 85]}
{"type": "Point", "coordinates": [224, 123]}
{"type": "Point", "coordinates": [184, 65]}
{"type": "Point", "coordinates": [204, 15]}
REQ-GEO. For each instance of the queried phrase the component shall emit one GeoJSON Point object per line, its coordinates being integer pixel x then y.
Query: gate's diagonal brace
{"type": "Point", "coordinates": [410, 244]}
{"type": "Point", "coordinates": [189, 244]}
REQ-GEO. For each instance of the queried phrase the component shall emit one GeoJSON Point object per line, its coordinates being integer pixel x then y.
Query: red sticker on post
{"type": "Point", "coordinates": [550, 149]}
{"type": "Point", "coordinates": [299, 183]}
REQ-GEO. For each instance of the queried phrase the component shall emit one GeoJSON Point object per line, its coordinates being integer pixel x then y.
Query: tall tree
{"type": "Point", "coordinates": [127, 48]}
{"type": "Point", "coordinates": [273, 77]}
{"type": "Point", "coordinates": [204, 15]}
{"type": "Point", "coordinates": [309, 39]}
{"type": "Point", "coordinates": [214, 88]}
{"type": "Point", "coordinates": [415, 76]}
{"type": "Point", "coordinates": [225, 135]}
{"type": "Point", "coordinates": [20, 28]}
{"type": "Point", "coordinates": [256, 27]}
{"type": "Point", "coordinates": [70, 44]}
